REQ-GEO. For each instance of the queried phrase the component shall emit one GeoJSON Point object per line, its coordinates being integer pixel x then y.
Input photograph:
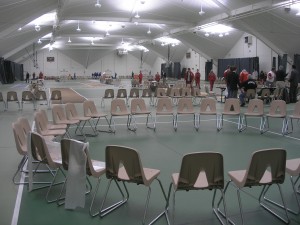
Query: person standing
{"type": "Point", "coordinates": [33, 76]}
{"type": "Point", "coordinates": [270, 78]}
{"type": "Point", "coordinates": [243, 76]}
{"type": "Point", "coordinates": [280, 77]}
{"type": "Point", "coordinates": [248, 84]}
{"type": "Point", "coordinates": [157, 77]}
{"type": "Point", "coordinates": [189, 77]}
{"type": "Point", "coordinates": [293, 84]}
{"type": "Point", "coordinates": [132, 75]}
{"type": "Point", "coordinates": [140, 77]}
{"type": "Point", "coordinates": [233, 82]}
{"type": "Point", "coordinates": [197, 78]}
{"type": "Point", "coordinates": [27, 77]}
{"type": "Point", "coordinates": [212, 78]}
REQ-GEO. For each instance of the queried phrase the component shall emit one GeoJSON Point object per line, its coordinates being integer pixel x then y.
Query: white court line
{"type": "Point", "coordinates": [78, 94]}
{"type": "Point", "coordinates": [15, 217]}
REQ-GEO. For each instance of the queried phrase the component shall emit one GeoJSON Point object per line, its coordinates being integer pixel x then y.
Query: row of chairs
{"type": "Point", "coordinates": [198, 171]}
{"type": "Point", "coordinates": [29, 96]}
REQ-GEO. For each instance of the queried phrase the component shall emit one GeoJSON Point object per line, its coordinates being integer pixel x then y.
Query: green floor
{"type": "Point", "coordinates": [162, 150]}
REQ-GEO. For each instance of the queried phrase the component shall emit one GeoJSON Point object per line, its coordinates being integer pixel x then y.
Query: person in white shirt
{"type": "Point", "coordinates": [270, 78]}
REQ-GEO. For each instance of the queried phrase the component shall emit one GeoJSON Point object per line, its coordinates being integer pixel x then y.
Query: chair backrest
{"type": "Point", "coordinates": [39, 150]}
{"type": "Point", "coordinates": [187, 91]}
{"type": "Point", "coordinates": [20, 138]}
{"type": "Point", "coordinates": [109, 93]}
{"type": "Point", "coordinates": [265, 93]}
{"type": "Point", "coordinates": [27, 96]}
{"type": "Point", "coordinates": [278, 107]}
{"type": "Point", "coordinates": [164, 105]}
{"type": "Point", "coordinates": [58, 114]}
{"type": "Point", "coordinates": [119, 106]}
{"type": "Point", "coordinates": [272, 160]}
{"type": "Point", "coordinates": [232, 105]}
{"type": "Point", "coordinates": [206, 89]}
{"type": "Point", "coordinates": [160, 92]}
{"type": "Point", "coordinates": [1, 97]}
{"type": "Point", "coordinates": [40, 95]}
{"type": "Point", "coordinates": [118, 156]}
{"type": "Point", "coordinates": [71, 111]}
{"type": "Point", "coordinates": [122, 93]}
{"type": "Point", "coordinates": [24, 123]}
{"type": "Point", "coordinates": [40, 123]}
{"type": "Point", "coordinates": [256, 106]}
{"type": "Point", "coordinates": [89, 108]}
{"type": "Point", "coordinates": [296, 111]}
{"type": "Point", "coordinates": [185, 105]}
{"type": "Point", "coordinates": [12, 96]}
{"type": "Point", "coordinates": [138, 105]}
{"type": "Point", "coordinates": [56, 95]}
{"type": "Point", "coordinates": [208, 105]}
{"type": "Point", "coordinates": [134, 93]}
{"type": "Point", "coordinates": [44, 116]}
{"type": "Point", "coordinates": [250, 93]}
{"type": "Point", "coordinates": [175, 92]}
{"type": "Point", "coordinates": [196, 92]}
{"type": "Point", "coordinates": [201, 170]}
{"type": "Point", "coordinates": [147, 93]}
{"type": "Point", "coordinates": [278, 93]}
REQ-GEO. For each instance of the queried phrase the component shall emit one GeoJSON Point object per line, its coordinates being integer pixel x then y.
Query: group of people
{"type": "Point", "coordinates": [40, 77]}
{"type": "Point", "coordinates": [245, 81]}
{"type": "Point", "coordinates": [190, 77]}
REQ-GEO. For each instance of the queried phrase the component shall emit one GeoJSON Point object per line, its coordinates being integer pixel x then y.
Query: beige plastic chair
{"type": "Point", "coordinates": [295, 115]}
{"type": "Point", "coordinates": [138, 107]}
{"type": "Point", "coordinates": [122, 93]}
{"type": "Point", "coordinates": [186, 92]}
{"type": "Point", "coordinates": [108, 94]}
{"type": "Point", "coordinates": [250, 94]}
{"type": "Point", "coordinates": [50, 124]}
{"type": "Point", "coordinates": [277, 110]}
{"type": "Point", "coordinates": [42, 127]}
{"type": "Point", "coordinates": [255, 109]}
{"type": "Point", "coordinates": [41, 96]}
{"type": "Point", "coordinates": [266, 168]}
{"type": "Point", "coordinates": [164, 108]}
{"type": "Point", "coordinates": [208, 107]}
{"type": "Point", "coordinates": [210, 93]}
{"type": "Point", "coordinates": [48, 155]}
{"type": "Point", "coordinates": [175, 95]}
{"type": "Point", "coordinates": [265, 95]}
{"type": "Point", "coordinates": [72, 114]}
{"type": "Point", "coordinates": [147, 93]}
{"type": "Point", "coordinates": [56, 97]}
{"type": "Point", "coordinates": [198, 95]}
{"type": "Point", "coordinates": [160, 93]}
{"type": "Point", "coordinates": [123, 164]}
{"type": "Point", "coordinates": [3, 101]}
{"type": "Point", "coordinates": [200, 171]}
{"type": "Point", "coordinates": [27, 96]}
{"type": "Point", "coordinates": [12, 97]}
{"type": "Point", "coordinates": [231, 108]}
{"type": "Point", "coordinates": [119, 109]}
{"type": "Point", "coordinates": [185, 107]}
{"type": "Point", "coordinates": [90, 110]}
{"type": "Point", "coordinates": [59, 117]}
{"type": "Point", "coordinates": [277, 94]}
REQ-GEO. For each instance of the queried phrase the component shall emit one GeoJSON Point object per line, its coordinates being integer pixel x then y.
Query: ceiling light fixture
{"type": "Point", "coordinates": [149, 31]}
{"type": "Point", "coordinates": [92, 43]}
{"type": "Point", "coordinates": [136, 23]}
{"type": "Point", "coordinates": [78, 28]}
{"type": "Point", "coordinates": [122, 42]}
{"type": "Point", "coordinates": [39, 41]}
{"type": "Point", "coordinates": [37, 28]}
{"type": "Point", "coordinates": [137, 15]}
{"type": "Point", "coordinates": [50, 47]}
{"type": "Point", "coordinates": [201, 11]}
{"type": "Point", "coordinates": [221, 35]}
{"type": "Point", "coordinates": [69, 40]}
{"type": "Point", "coordinates": [98, 5]}
{"type": "Point", "coordinates": [20, 28]}
{"type": "Point", "coordinates": [206, 34]}
{"type": "Point", "coordinates": [107, 34]}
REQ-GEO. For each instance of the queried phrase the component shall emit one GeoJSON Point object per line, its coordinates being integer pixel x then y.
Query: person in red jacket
{"type": "Point", "coordinates": [157, 77]}
{"type": "Point", "coordinates": [197, 78]}
{"type": "Point", "coordinates": [212, 78]}
{"type": "Point", "coordinates": [243, 76]}
{"type": "Point", "coordinates": [189, 77]}
{"type": "Point", "coordinates": [140, 77]}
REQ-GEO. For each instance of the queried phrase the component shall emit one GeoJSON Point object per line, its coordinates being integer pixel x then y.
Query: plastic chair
{"type": "Point", "coordinates": [160, 93]}
{"type": "Point", "coordinates": [231, 108]}
{"type": "Point", "coordinates": [266, 168]}
{"type": "Point", "coordinates": [108, 94]}
{"type": "Point", "coordinates": [175, 95]}
{"type": "Point", "coordinates": [255, 109]}
{"type": "Point", "coordinates": [72, 114]}
{"type": "Point", "coordinates": [277, 110]}
{"type": "Point", "coordinates": [295, 115]}
{"type": "Point", "coordinates": [56, 97]}
{"type": "Point", "coordinates": [12, 97]}
{"type": "Point", "coordinates": [250, 94]}
{"type": "Point", "coordinates": [186, 92]}
{"type": "Point", "coordinates": [118, 108]}
{"type": "Point", "coordinates": [208, 107]}
{"type": "Point", "coordinates": [27, 96]}
{"type": "Point", "coordinates": [200, 171]}
{"type": "Point", "coordinates": [41, 96]}
{"type": "Point", "coordinates": [198, 95]}
{"type": "Point", "coordinates": [123, 164]}
{"type": "Point", "coordinates": [138, 107]}
{"type": "Point", "coordinates": [122, 93]}
{"type": "Point", "coordinates": [59, 117]}
{"type": "Point", "coordinates": [90, 110]}
{"type": "Point", "coordinates": [147, 93]}
{"type": "Point", "coordinates": [185, 107]}
{"type": "Point", "coordinates": [49, 124]}
{"type": "Point", "coordinates": [164, 108]}
{"type": "Point", "coordinates": [265, 95]}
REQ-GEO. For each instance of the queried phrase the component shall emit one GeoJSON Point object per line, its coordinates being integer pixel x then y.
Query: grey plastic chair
{"type": "Point", "coordinates": [231, 108]}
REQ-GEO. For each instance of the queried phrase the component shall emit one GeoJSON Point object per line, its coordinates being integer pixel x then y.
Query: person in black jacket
{"type": "Point", "coordinates": [280, 77]}
{"type": "Point", "coordinates": [233, 82]}
{"type": "Point", "coordinates": [293, 84]}
{"type": "Point", "coordinates": [248, 84]}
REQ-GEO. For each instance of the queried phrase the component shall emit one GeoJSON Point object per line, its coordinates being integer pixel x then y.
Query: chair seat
{"type": "Point", "coordinates": [275, 116]}
{"type": "Point", "coordinates": [141, 112]}
{"type": "Point", "coordinates": [53, 132]}
{"type": "Point", "coordinates": [201, 182]}
{"type": "Point", "coordinates": [238, 177]}
{"type": "Point", "coordinates": [165, 113]}
{"type": "Point", "coordinates": [186, 112]}
{"type": "Point", "coordinates": [82, 118]}
{"type": "Point", "coordinates": [207, 113]}
{"type": "Point", "coordinates": [96, 115]}
{"type": "Point", "coordinates": [253, 114]}
{"type": "Point", "coordinates": [294, 117]}
{"type": "Point", "coordinates": [292, 166]}
{"type": "Point", "coordinates": [120, 114]}
{"type": "Point", "coordinates": [99, 167]}
{"type": "Point", "coordinates": [56, 126]}
{"type": "Point", "coordinates": [230, 113]}
{"type": "Point", "coordinates": [150, 175]}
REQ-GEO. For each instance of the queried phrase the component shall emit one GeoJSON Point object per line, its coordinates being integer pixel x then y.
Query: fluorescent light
{"type": "Point", "coordinates": [78, 28]}
{"type": "Point", "coordinates": [97, 5]}
{"type": "Point", "coordinates": [20, 28]}
{"type": "Point", "coordinates": [149, 31]}
{"type": "Point", "coordinates": [37, 28]}
{"type": "Point", "coordinates": [206, 34]}
{"type": "Point", "coordinates": [69, 40]}
{"type": "Point", "coordinates": [221, 35]}
{"type": "Point", "coordinates": [137, 15]}
{"type": "Point", "coordinates": [136, 23]}
{"type": "Point", "coordinates": [107, 34]}
{"type": "Point", "coordinates": [39, 41]}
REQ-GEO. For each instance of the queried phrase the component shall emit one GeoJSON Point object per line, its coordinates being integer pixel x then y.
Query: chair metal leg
{"type": "Point", "coordinates": [265, 125]}
{"type": "Point", "coordinates": [91, 211]}
{"type": "Point", "coordinates": [53, 184]}
{"type": "Point", "coordinates": [216, 210]}
{"type": "Point", "coordinates": [243, 123]}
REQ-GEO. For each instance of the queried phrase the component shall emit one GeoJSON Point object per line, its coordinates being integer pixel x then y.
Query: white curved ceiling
{"type": "Point", "coordinates": [274, 22]}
